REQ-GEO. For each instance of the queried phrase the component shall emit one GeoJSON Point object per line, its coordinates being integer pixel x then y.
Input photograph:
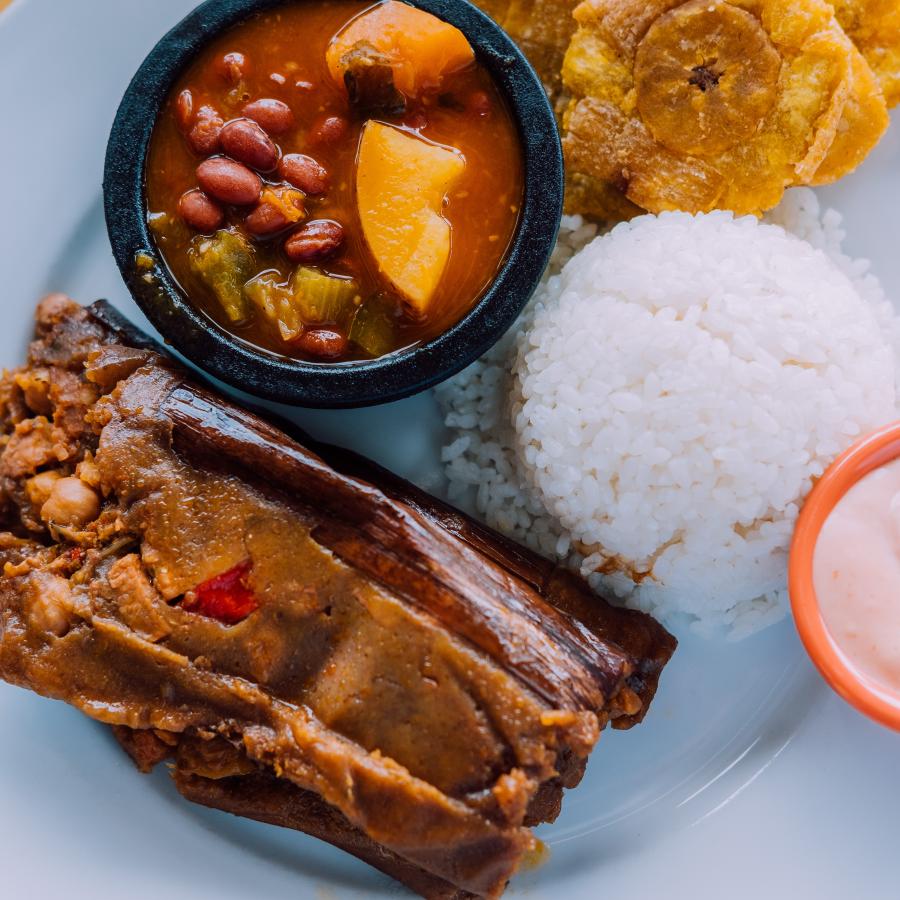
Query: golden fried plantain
{"type": "Point", "coordinates": [711, 104]}
{"type": "Point", "coordinates": [874, 26]}
{"type": "Point", "coordinates": [701, 89]}
{"type": "Point", "coordinates": [542, 29]}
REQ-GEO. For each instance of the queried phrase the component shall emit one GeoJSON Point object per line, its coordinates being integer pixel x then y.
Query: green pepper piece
{"type": "Point", "coordinates": [224, 261]}
{"type": "Point", "coordinates": [323, 298]}
{"type": "Point", "coordinates": [276, 302]}
{"type": "Point", "coordinates": [373, 328]}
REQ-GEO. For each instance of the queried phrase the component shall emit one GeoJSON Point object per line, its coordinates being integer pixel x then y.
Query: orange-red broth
{"type": "Point", "coordinates": [284, 59]}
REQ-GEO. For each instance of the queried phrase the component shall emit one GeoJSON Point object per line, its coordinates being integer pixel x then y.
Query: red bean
{"type": "Point", "coordinates": [315, 241]}
{"type": "Point", "coordinates": [184, 110]}
{"type": "Point", "coordinates": [204, 136]}
{"type": "Point", "coordinates": [323, 343]}
{"type": "Point", "coordinates": [276, 117]}
{"type": "Point", "coordinates": [201, 213]}
{"type": "Point", "coordinates": [329, 130]}
{"type": "Point", "coordinates": [303, 172]}
{"type": "Point", "coordinates": [273, 213]}
{"type": "Point", "coordinates": [232, 67]}
{"type": "Point", "coordinates": [246, 142]}
{"type": "Point", "coordinates": [229, 181]}
{"type": "Point", "coordinates": [265, 220]}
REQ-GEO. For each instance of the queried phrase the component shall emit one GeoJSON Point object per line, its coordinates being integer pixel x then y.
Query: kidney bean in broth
{"type": "Point", "coordinates": [275, 212]}
{"type": "Point", "coordinates": [245, 141]}
{"type": "Point", "coordinates": [303, 172]}
{"type": "Point", "coordinates": [273, 115]}
{"type": "Point", "coordinates": [322, 344]}
{"type": "Point", "coordinates": [200, 212]}
{"type": "Point", "coordinates": [229, 181]}
{"type": "Point", "coordinates": [315, 241]}
{"type": "Point", "coordinates": [204, 134]}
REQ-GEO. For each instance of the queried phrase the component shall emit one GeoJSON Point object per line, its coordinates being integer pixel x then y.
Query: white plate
{"type": "Point", "coordinates": [748, 779]}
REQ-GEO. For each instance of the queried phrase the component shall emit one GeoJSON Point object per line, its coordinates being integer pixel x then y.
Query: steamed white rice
{"type": "Point", "coordinates": [669, 399]}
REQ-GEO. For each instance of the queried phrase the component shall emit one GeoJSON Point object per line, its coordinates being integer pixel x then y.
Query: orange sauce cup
{"type": "Point", "coordinates": [876, 701]}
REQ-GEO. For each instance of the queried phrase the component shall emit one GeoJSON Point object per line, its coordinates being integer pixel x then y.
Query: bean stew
{"type": "Point", "coordinates": [335, 181]}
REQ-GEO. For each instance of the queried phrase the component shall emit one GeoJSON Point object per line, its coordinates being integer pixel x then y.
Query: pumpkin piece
{"type": "Point", "coordinates": [401, 183]}
{"type": "Point", "coordinates": [418, 46]}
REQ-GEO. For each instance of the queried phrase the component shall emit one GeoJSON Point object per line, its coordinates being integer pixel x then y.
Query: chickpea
{"type": "Point", "coordinates": [38, 489]}
{"type": "Point", "coordinates": [71, 502]}
{"type": "Point", "coordinates": [88, 471]}
{"type": "Point", "coordinates": [53, 307]}
{"type": "Point", "coordinates": [50, 604]}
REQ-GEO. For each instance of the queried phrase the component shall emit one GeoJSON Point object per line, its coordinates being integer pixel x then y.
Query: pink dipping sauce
{"type": "Point", "coordinates": [856, 575]}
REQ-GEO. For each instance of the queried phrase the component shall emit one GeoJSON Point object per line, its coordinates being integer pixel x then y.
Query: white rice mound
{"type": "Point", "coordinates": [669, 401]}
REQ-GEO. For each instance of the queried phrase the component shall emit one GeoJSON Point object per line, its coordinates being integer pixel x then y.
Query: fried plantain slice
{"type": "Point", "coordinates": [542, 29]}
{"type": "Point", "coordinates": [874, 26]}
{"type": "Point", "coordinates": [620, 152]}
{"type": "Point", "coordinates": [712, 104]}
{"type": "Point", "coordinates": [705, 83]}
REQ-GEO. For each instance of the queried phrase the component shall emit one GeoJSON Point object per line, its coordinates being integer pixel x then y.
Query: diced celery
{"type": "Point", "coordinates": [373, 328]}
{"type": "Point", "coordinates": [276, 302]}
{"type": "Point", "coordinates": [224, 261]}
{"type": "Point", "coordinates": [310, 297]}
{"type": "Point", "coordinates": [323, 298]}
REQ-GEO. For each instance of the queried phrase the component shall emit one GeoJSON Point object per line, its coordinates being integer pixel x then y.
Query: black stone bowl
{"type": "Point", "coordinates": [391, 377]}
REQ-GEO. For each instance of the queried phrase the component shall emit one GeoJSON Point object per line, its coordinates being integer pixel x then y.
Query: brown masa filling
{"type": "Point", "coordinates": [359, 663]}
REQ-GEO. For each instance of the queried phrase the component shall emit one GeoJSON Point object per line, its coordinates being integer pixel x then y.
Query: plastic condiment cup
{"type": "Point", "coordinates": [878, 702]}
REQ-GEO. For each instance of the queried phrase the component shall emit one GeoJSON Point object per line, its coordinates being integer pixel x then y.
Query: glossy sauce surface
{"type": "Point", "coordinates": [856, 575]}
{"type": "Point", "coordinates": [284, 59]}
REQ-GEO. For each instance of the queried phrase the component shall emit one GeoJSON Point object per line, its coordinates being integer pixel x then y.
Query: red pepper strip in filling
{"type": "Point", "coordinates": [226, 597]}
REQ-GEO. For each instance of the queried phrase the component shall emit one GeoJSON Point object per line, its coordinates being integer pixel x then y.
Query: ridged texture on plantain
{"type": "Point", "coordinates": [874, 26]}
{"type": "Point", "coordinates": [711, 104]}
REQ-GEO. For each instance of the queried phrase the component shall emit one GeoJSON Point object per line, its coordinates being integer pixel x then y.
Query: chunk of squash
{"type": "Point", "coordinates": [420, 48]}
{"type": "Point", "coordinates": [401, 183]}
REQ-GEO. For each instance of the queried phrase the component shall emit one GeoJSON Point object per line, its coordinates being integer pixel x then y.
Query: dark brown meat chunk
{"type": "Point", "coordinates": [369, 79]}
